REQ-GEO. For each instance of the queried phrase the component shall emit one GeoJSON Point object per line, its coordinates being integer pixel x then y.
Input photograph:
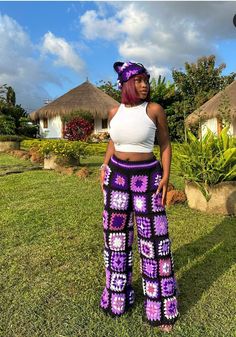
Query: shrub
{"type": "Point", "coordinates": [78, 129]}
{"type": "Point", "coordinates": [208, 161]}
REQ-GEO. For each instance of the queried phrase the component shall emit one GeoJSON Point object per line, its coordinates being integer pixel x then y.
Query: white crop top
{"type": "Point", "coordinates": [132, 130]}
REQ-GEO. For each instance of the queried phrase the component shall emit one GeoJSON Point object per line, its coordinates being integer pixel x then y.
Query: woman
{"type": "Point", "coordinates": [134, 185]}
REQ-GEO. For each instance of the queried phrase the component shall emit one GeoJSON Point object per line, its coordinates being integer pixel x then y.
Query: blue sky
{"type": "Point", "coordinates": [48, 48]}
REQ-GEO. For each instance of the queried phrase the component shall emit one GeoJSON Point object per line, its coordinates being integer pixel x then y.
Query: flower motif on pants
{"type": "Point", "coordinates": [153, 310]}
{"type": "Point", "coordinates": [119, 200]}
{"type": "Point", "coordinates": [170, 307]}
{"type": "Point", "coordinates": [139, 183]}
{"type": "Point", "coordinates": [117, 241]}
{"type": "Point", "coordinates": [118, 303]}
{"type": "Point", "coordinates": [118, 281]}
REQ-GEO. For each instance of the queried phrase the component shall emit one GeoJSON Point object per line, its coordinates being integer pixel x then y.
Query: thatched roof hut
{"type": "Point", "coordinates": [210, 109]}
{"type": "Point", "coordinates": [86, 97]}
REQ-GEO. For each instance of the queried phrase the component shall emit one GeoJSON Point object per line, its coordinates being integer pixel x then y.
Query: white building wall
{"type": "Point", "coordinates": [98, 126]}
{"type": "Point", "coordinates": [54, 128]}
{"type": "Point", "coordinates": [212, 125]}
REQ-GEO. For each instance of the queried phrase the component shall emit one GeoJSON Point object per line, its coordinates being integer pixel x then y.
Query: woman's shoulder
{"type": "Point", "coordinates": [155, 108]}
{"type": "Point", "coordinates": [113, 111]}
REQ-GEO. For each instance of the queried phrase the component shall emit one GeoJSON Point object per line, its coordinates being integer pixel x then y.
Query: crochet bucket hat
{"type": "Point", "coordinates": [126, 70]}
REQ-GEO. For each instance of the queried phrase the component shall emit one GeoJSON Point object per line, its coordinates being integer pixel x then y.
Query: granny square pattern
{"type": "Point", "coordinates": [155, 179]}
{"type": "Point", "coordinates": [151, 288]}
{"type": "Point", "coordinates": [118, 281]}
{"type": "Point", "coordinates": [153, 310]}
{"type": "Point", "coordinates": [164, 247]}
{"type": "Point", "coordinates": [105, 299]}
{"type": "Point", "coordinates": [140, 203]}
{"type": "Point", "coordinates": [149, 267]}
{"type": "Point", "coordinates": [119, 200]}
{"type": "Point", "coordinates": [119, 181]}
{"type": "Point", "coordinates": [117, 241]}
{"type": "Point", "coordinates": [118, 261]}
{"type": "Point", "coordinates": [107, 175]}
{"type": "Point", "coordinates": [156, 203]}
{"type": "Point", "coordinates": [129, 201]}
{"type": "Point", "coordinates": [139, 183]}
{"type": "Point", "coordinates": [167, 286]}
{"type": "Point", "coordinates": [170, 307]}
{"type": "Point", "coordinates": [118, 303]}
{"type": "Point", "coordinates": [144, 226]}
{"type": "Point", "coordinates": [165, 267]}
{"type": "Point", "coordinates": [118, 221]}
{"type": "Point", "coordinates": [160, 225]}
{"type": "Point", "coordinates": [147, 248]}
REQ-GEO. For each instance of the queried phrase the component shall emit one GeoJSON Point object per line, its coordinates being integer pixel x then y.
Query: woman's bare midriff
{"type": "Point", "coordinates": [134, 156]}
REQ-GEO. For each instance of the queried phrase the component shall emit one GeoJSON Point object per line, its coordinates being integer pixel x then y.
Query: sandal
{"type": "Point", "coordinates": [166, 328]}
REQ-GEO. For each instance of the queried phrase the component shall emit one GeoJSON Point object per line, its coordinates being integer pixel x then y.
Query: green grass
{"type": "Point", "coordinates": [52, 270]}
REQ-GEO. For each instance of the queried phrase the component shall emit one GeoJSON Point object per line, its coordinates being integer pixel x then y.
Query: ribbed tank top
{"type": "Point", "coordinates": [132, 130]}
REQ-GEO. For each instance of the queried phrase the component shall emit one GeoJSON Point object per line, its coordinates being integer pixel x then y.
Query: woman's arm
{"type": "Point", "coordinates": [165, 147]}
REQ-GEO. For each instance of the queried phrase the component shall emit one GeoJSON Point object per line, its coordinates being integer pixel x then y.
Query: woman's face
{"type": "Point", "coordinates": [141, 84]}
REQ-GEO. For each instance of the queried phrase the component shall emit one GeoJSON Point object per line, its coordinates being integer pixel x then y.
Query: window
{"type": "Point", "coordinates": [45, 123]}
{"type": "Point", "coordinates": [104, 123]}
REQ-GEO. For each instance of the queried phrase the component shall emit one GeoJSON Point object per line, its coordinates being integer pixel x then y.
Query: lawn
{"type": "Point", "coordinates": [52, 270]}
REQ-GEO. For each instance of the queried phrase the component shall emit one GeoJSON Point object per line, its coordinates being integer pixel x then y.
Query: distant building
{"type": "Point", "coordinates": [208, 115]}
{"type": "Point", "coordinates": [86, 97]}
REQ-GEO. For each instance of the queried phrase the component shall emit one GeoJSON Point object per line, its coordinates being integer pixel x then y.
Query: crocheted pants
{"type": "Point", "coordinates": [129, 190]}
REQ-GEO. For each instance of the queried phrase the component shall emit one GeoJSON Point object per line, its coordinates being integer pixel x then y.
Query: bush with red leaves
{"type": "Point", "coordinates": [78, 129]}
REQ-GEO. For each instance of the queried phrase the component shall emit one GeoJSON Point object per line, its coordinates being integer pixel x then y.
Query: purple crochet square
{"type": "Point", "coordinates": [118, 303]}
{"type": "Point", "coordinates": [165, 267]}
{"type": "Point", "coordinates": [105, 219]}
{"type": "Point", "coordinates": [153, 310]}
{"type": "Point", "coordinates": [118, 261]}
{"type": "Point", "coordinates": [118, 221]}
{"type": "Point", "coordinates": [139, 183]}
{"type": "Point", "coordinates": [167, 286]}
{"type": "Point", "coordinates": [147, 248]}
{"type": "Point", "coordinates": [118, 281]}
{"type": "Point", "coordinates": [151, 289]}
{"type": "Point", "coordinates": [117, 241]}
{"type": "Point", "coordinates": [160, 224]}
{"type": "Point", "coordinates": [107, 175]}
{"type": "Point", "coordinates": [119, 200]}
{"type": "Point", "coordinates": [140, 203]}
{"type": "Point", "coordinates": [144, 226]}
{"type": "Point", "coordinates": [164, 247]}
{"type": "Point", "coordinates": [156, 202]}
{"type": "Point", "coordinates": [149, 267]}
{"type": "Point", "coordinates": [170, 307]}
{"type": "Point", "coordinates": [119, 181]}
{"type": "Point", "coordinates": [155, 179]}
{"type": "Point", "coordinates": [104, 303]}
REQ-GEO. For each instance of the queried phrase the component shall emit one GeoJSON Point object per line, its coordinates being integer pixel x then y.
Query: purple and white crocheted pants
{"type": "Point", "coordinates": [129, 192]}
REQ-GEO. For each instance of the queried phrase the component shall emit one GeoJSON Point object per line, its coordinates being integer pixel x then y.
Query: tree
{"type": "Point", "coordinates": [199, 83]}
{"type": "Point", "coordinates": [11, 96]}
{"type": "Point", "coordinates": [110, 89]}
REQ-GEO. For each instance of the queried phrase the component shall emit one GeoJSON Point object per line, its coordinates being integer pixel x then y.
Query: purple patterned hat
{"type": "Point", "coordinates": [126, 70]}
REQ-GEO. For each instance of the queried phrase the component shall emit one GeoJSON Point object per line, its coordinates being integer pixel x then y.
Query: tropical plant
{"type": "Point", "coordinates": [207, 161]}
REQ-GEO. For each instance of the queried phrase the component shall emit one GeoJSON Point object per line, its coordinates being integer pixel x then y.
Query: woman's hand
{"type": "Point", "coordinates": [102, 176]}
{"type": "Point", "coordinates": [163, 184]}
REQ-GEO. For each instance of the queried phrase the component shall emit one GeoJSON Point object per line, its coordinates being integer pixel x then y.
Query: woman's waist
{"type": "Point", "coordinates": [134, 156]}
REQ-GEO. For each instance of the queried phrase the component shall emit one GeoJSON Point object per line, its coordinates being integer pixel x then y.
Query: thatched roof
{"type": "Point", "coordinates": [86, 97]}
{"type": "Point", "coordinates": [210, 108]}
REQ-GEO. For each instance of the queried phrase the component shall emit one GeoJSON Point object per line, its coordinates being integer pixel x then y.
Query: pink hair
{"type": "Point", "coordinates": [129, 94]}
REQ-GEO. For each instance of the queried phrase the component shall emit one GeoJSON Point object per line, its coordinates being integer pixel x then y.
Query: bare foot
{"type": "Point", "coordinates": [165, 328]}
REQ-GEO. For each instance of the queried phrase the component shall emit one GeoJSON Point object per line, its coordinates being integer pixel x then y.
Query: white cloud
{"type": "Point", "coordinates": [162, 34]}
{"type": "Point", "coordinates": [25, 67]}
{"type": "Point", "coordinates": [65, 53]}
